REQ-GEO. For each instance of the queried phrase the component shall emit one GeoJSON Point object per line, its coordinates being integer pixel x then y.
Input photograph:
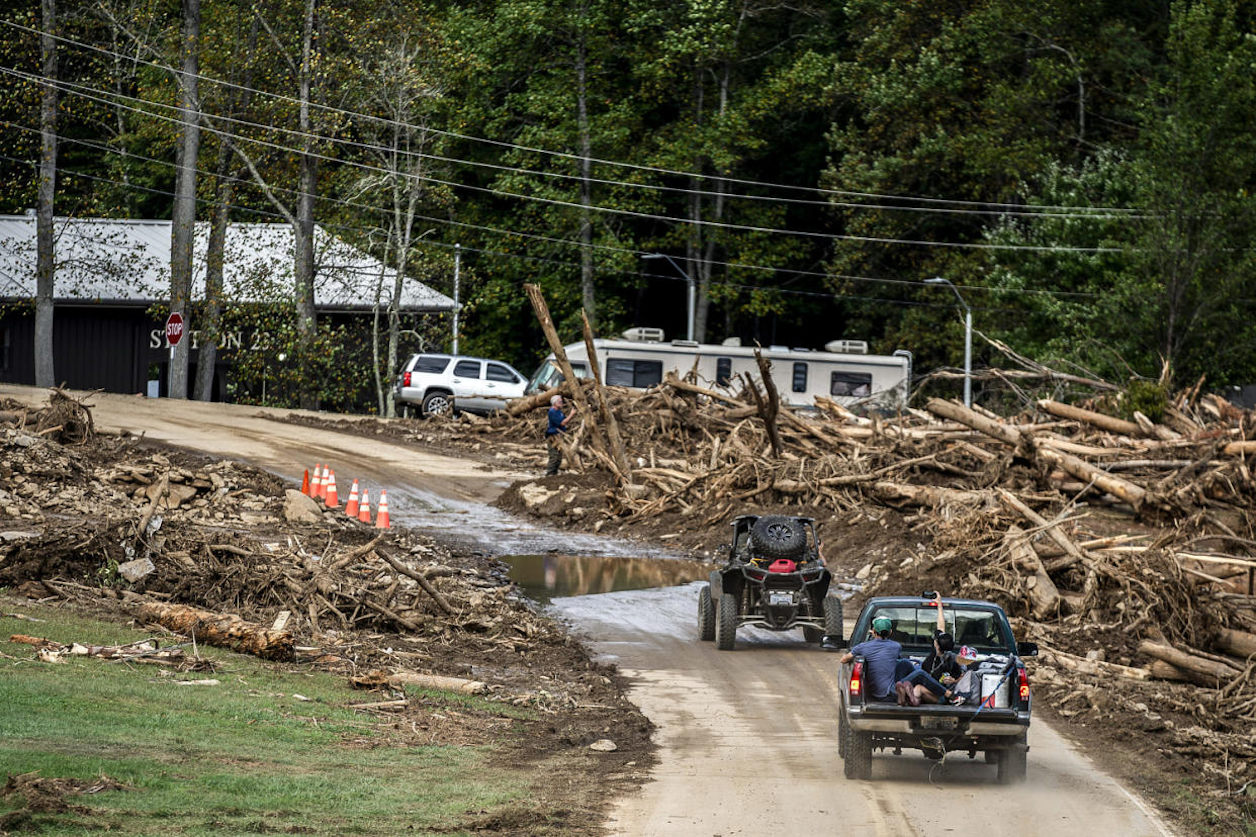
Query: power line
{"type": "Point", "coordinates": [568, 242]}
{"type": "Point", "coordinates": [932, 204]}
{"type": "Point", "coordinates": [102, 97]}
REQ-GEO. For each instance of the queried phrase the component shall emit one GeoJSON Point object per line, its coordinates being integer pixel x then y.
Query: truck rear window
{"type": "Point", "coordinates": [914, 627]}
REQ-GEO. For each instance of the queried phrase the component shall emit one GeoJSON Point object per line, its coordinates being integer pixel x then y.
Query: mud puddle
{"type": "Point", "coordinates": [547, 577]}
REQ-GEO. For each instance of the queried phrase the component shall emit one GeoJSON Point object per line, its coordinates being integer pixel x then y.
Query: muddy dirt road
{"type": "Point", "coordinates": [747, 737]}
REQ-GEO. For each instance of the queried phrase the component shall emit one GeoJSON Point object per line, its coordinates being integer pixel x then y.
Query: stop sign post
{"type": "Point", "coordinates": [174, 333]}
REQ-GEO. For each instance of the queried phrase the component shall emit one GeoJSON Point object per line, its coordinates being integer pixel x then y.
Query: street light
{"type": "Point", "coordinates": [693, 301]}
{"type": "Point", "coordinates": [968, 339]}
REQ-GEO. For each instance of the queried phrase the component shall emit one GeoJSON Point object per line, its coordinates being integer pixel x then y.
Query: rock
{"type": "Point", "coordinates": [1096, 655]}
{"type": "Point", "coordinates": [864, 571]}
{"type": "Point", "coordinates": [133, 571]}
{"type": "Point", "coordinates": [603, 745]}
{"type": "Point", "coordinates": [300, 508]}
{"type": "Point", "coordinates": [534, 496]}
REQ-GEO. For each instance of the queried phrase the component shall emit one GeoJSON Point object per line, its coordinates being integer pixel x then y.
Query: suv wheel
{"type": "Point", "coordinates": [438, 403]}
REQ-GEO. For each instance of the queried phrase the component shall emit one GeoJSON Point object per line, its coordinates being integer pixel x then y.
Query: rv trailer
{"type": "Point", "coordinates": [844, 371]}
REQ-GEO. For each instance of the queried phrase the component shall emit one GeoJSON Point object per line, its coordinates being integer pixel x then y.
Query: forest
{"type": "Point", "coordinates": [1079, 173]}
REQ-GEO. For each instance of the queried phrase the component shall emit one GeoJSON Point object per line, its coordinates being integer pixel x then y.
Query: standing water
{"type": "Point", "coordinates": [546, 577]}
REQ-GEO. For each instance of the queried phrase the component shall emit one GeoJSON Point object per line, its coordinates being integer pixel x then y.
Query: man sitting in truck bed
{"type": "Point", "coordinates": [880, 657]}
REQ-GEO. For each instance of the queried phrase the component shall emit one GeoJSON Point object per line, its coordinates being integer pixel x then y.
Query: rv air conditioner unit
{"type": "Point", "coordinates": [847, 347]}
{"type": "Point", "coordinates": [644, 334]}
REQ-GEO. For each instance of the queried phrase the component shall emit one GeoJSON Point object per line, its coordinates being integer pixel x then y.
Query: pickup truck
{"type": "Point", "coordinates": [998, 726]}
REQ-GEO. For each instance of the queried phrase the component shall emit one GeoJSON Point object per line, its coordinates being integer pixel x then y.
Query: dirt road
{"type": "Point", "coordinates": [747, 737]}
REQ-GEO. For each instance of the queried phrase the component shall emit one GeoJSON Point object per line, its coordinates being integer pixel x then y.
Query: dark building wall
{"type": "Point", "coordinates": [93, 348]}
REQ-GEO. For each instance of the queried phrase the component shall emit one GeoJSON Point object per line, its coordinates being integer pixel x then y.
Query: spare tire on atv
{"type": "Point", "coordinates": [776, 536]}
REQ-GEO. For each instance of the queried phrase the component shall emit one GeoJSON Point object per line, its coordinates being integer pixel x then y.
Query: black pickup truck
{"type": "Point", "coordinates": [998, 726]}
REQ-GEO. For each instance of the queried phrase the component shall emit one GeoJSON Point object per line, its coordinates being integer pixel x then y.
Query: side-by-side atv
{"type": "Point", "coordinates": [774, 579]}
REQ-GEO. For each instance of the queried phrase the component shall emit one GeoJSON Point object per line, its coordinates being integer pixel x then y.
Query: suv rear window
{"type": "Point", "coordinates": [497, 372]}
{"type": "Point", "coordinates": [467, 368]}
{"type": "Point", "coordinates": [431, 364]}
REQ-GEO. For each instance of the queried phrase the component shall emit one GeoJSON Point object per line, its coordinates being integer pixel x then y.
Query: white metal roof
{"type": "Point", "coordinates": [126, 261]}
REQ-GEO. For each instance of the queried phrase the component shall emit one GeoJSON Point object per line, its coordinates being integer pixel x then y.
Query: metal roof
{"type": "Point", "coordinates": [103, 260]}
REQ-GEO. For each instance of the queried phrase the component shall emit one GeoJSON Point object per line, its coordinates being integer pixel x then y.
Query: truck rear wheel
{"type": "Point", "coordinates": [726, 622]}
{"type": "Point", "coordinates": [858, 758]}
{"type": "Point", "coordinates": [706, 614]}
{"type": "Point", "coordinates": [841, 732]}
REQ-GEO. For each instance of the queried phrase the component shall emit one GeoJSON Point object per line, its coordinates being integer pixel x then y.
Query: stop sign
{"type": "Point", "coordinates": [174, 328]}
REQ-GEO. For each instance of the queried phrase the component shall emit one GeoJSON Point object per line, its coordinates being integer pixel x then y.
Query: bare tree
{"type": "Point", "coordinates": [45, 270]}
{"type": "Point", "coordinates": [183, 223]}
{"type": "Point", "coordinates": [403, 91]}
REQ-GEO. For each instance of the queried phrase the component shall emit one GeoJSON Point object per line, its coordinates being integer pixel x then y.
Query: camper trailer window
{"type": "Point", "coordinates": [723, 371]}
{"type": "Point", "coordinates": [467, 369]}
{"type": "Point", "coordinates": [800, 377]}
{"type": "Point", "coordinates": [432, 364]}
{"type": "Point", "coordinates": [850, 383]}
{"type": "Point", "coordinates": [633, 373]}
{"type": "Point", "coordinates": [497, 372]}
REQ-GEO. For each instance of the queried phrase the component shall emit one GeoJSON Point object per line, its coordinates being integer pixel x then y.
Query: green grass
{"type": "Point", "coordinates": [242, 757]}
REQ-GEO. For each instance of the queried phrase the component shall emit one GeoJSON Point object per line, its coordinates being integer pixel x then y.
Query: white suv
{"type": "Point", "coordinates": [440, 384]}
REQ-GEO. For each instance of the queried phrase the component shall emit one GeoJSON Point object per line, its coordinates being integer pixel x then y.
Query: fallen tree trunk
{"type": "Point", "coordinates": [1104, 422]}
{"type": "Point", "coordinates": [1213, 674]}
{"type": "Point", "coordinates": [436, 681]}
{"type": "Point", "coordinates": [224, 630]}
{"type": "Point", "coordinates": [1096, 667]}
{"type": "Point", "coordinates": [1239, 643]}
{"type": "Point", "coordinates": [1044, 597]}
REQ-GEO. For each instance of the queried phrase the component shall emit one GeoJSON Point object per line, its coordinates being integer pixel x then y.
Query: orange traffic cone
{"type": "Point", "coordinates": [316, 484]}
{"type": "Point", "coordinates": [381, 514]}
{"type": "Point", "coordinates": [305, 483]}
{"type": "Point", "coordinates": [351, 507]}
{"type": "Point", "coordinates": [326, 481]}
{"type": "Point", "coordinates": [332, 500]}
{"type": "Point", "coordinates": [364, 510]}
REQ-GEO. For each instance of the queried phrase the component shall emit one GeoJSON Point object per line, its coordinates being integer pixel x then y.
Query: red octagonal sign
{"type": "Point", "coordinates": [174, 328]}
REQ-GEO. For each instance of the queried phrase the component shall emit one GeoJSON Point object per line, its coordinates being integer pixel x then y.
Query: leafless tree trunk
{"type": "Point", "coordinates": [587, 295]}
{"type": "Point", "coordinates": [183, 216]}
{"type": "Point", "coordinates": [224, 194]}
{"type": "Point", "coordinates": [45, 270]}
{"type": "Point", "coordinates": [303, 264]}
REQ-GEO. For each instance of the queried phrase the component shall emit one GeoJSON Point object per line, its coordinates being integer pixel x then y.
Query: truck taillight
{"type": "Point", "coordinates": [405, 381]}
{"type": "Point", "coordinates": [856, 680]}
{"type": "Point", "coordinates": [1024, 685]}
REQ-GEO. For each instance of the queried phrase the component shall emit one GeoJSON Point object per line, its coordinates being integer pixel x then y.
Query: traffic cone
{"type": "Point", "coordinates": [351, 507]}
{"type": "Point", "coordinates": [332, 500]}
{"type": "Point", "coordinates": [381, 513]}
{"type": "Point", "coordinates": [364, 510]}
{"type": "Point", "coordinates": [326, 481]}
{"type": "Point", "coordinates": [305, 483]}
{"type": "Point", "coordinates": [316, 484]}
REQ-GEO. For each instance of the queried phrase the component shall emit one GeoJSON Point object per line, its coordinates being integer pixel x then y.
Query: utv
{"type": "Point", "coordinates": [774, 579]}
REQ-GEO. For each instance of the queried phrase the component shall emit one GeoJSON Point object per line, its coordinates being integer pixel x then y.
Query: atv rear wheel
{"type": "Point", "coordinates": [706, 615]}
{"type": "Point", "coordinates": [726, 622]}
{"type": "Point", "coordinates": [776, 536]}
{"type": "Point", "coordinates": [833, 625]}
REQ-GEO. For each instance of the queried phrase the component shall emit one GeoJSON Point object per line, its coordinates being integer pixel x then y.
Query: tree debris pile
{"type": "Point", "coordinates": [222, 553]}
{"type": "Point", "coordinates": [1125, 547]}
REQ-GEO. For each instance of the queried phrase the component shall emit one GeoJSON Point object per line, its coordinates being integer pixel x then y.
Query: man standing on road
{"type": "Point", "coordinates": [880, 656]}
{"type": "Point", "coordinates": [557, 425]}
